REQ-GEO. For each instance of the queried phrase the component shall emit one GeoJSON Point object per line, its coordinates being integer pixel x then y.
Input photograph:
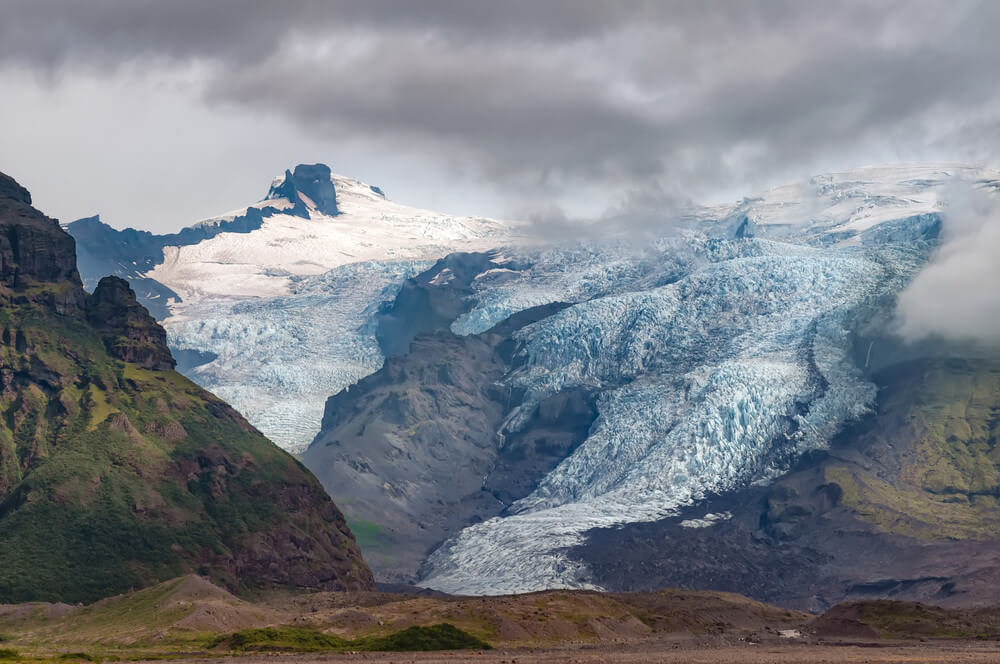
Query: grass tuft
{"type": "Point", "coordinates": [80, 657]}
{"type": "Point", "coordinates": [285, 639]}
{"type": "Point", "coordinates": [443, 636]}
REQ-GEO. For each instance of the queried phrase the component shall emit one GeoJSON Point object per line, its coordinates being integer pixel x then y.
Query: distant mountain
{"type": "Point", "coordinates": [116, 472]}
{"type": "Point", "coordinates": [284, 284]}
{"type": "Point", "coordinates": [722, 407]}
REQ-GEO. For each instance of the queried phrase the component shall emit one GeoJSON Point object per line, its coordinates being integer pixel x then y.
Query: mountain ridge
{"type": "Point", "coordinates": [117, 472]}
{"type": "Point", "coordinates": [691, 364]}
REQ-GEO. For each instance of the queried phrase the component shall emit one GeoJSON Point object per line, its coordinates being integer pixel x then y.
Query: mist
{"type": "Point", "coordinates": [956, 297]}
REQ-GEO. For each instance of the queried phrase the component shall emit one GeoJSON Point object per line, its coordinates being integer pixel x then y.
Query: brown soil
{"type": "Point", "coordinates": [176, 619]}
{"type": "Point", "coordinates": [672, 653]}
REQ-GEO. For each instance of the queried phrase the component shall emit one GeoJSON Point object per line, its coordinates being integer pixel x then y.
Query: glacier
{"type": "Point", "coordinates": [719, 356]}
{"type": "Point", "coordinates": [276, 359]}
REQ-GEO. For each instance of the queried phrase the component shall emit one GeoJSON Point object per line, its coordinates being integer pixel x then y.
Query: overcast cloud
{"type": "Point", "coordinates": [158, 113]}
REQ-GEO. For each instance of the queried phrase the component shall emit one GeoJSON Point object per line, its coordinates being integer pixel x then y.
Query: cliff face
{"type": "Point", "coordinates": [35, 251]}
{"type": "Point", "coordinates": [117, 472]}
{"type": "Point", "coordinates": [414, 446]}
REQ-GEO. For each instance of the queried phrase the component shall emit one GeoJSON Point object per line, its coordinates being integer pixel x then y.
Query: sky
{"type": "Point", "coordinates": [156, 114]}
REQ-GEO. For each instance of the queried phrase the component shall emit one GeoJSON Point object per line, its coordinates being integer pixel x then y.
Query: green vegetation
{"type": "Point", "coordinates": [903, 619]}
{"type": "Point", "coordinates": [443, 636]}
{"type": "Point", "coordinates": [7, 653]}
{"type": "Point", "coordinates": [947, 417]}
{"type": "Point", "coordinates": [79, 657]}
{"type": "Point", "coordinates": [370, 535]}
{"type": "Point", "coordinates": [910, 620]}
{"type": "Point", "coordinates": [284, 639]}
{"type": "Point", "coordinates": [113, 477]}
{"type": "Point", "coordinates": [142, 612]}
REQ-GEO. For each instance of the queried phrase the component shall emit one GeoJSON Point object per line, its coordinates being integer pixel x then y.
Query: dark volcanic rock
{"type": "Point", "coordinates": [409, 447]}
{"type": "Point", "coordinates": [311, 181]}
{"type": "Point", "coordinates": [430, 301]}
{"type": "Point", "coordinates": [12, 191]}
{"type": "Point", "coordinates": [35, 251]}
{"type": "Point", "coordinates": [128, 330]}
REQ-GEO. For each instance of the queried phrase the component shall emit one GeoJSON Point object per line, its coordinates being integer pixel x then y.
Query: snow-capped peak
{"type": "Point", "coordinates": [312, 221]}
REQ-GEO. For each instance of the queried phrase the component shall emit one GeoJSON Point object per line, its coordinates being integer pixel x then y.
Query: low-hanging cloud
{"type": "Point", "coordinates": [956, 297]}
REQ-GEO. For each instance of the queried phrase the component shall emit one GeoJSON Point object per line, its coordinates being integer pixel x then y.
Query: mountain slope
{"type": "Point", "coordinates": [288, 283]}
{"type": "Point", "coordinates": [410, 446]}
{"type": "Point", "coordinates": [116, 471]}
{"type": "Point", "coordinates": [551, 416]}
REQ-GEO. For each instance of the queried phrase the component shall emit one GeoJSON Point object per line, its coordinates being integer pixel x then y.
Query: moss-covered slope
{"type": "Point", "coordinates": [117, 472]}
{"type": "Point", "coordinates": [936, 452]}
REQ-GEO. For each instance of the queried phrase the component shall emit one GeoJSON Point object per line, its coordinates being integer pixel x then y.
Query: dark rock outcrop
{"type": "Point", "coordinates": [129, 332]}
{"type": "Point", "coordinates": [430, 301]}
{"type": "Point", "coordinates": [35, 252]}
{"type": "Point", "coordinates": [308, 181]}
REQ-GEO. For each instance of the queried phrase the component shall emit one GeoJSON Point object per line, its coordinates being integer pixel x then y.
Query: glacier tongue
{"type": "Point", "coordinates": [716, 379]}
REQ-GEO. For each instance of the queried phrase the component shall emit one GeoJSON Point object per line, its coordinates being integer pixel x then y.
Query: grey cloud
{"type": "Point", "coordinates": [560, 96]}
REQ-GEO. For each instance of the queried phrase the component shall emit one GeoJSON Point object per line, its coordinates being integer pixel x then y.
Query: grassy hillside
{"type": "Point", "coordinates": [937, 448]}
{"type": "Point", "coordinates": [114, 476]}
{"type": "Point", "coordinates": [116, 472]}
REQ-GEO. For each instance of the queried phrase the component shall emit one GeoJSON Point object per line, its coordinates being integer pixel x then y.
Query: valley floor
{"type": "Point", "coordinates": [949, 652]}
{"type": "Point", "coordinates": [188, 619]}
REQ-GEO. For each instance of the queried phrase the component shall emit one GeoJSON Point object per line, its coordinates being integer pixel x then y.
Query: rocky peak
{"type": "Point", "coordinates": [129, 332]}
{"type": "Point", "coordinates": [309, 186]}
{"type": "Point", "coordinates": [10, 189]}
{"type": "Point", "coordinates": [35, 251]}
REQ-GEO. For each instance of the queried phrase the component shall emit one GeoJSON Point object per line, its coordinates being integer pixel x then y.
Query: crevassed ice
{"type": "Point", "coordinates": [279, 358]}
{"type": "Point", "coordinates": [714, 380]}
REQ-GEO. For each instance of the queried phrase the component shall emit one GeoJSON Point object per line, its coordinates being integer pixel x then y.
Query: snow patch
{"type": "Point", "coordinates": [707, 521]}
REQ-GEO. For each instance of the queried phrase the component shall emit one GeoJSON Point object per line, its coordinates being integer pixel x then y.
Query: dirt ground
{"type": "Point", "coordinates": [667, 653]}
